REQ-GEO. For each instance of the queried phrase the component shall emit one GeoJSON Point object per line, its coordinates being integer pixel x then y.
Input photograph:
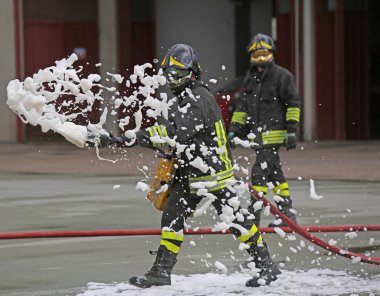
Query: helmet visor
{"type": "Point", "coordinates": [261, 56]}
{"type": "Point", "coordinates": [177, 78]}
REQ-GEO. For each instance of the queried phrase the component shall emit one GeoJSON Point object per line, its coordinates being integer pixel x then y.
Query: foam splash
{"type": "Point", "coordinates": [307, 283]}
{"type": "Point", "coordinates": [33, 100]}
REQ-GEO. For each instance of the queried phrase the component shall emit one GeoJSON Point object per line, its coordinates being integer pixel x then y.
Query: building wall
{"type": "Point", "coordinates": [261, 17]}
{"type": "Point", "coordinates": [206, 25]}
{"type": "Point", "coordinates": [8, 130]}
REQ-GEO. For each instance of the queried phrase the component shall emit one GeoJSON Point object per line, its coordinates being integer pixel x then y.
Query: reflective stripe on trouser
{"type": "Point", "coordinates": [172, 240]}
{"type": "Point", "coordinates": [282, 190]}
{"type": "Point", "coordinates": [258, 188]}
{"type": "Point", "coordinates": [271, 172]}
{"type": "Point", "coordinates": [253, 236]}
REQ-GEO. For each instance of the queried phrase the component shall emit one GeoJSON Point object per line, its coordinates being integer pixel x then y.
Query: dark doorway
{"type": "Point", "coordinates": [374, 68]}
{"type": "Point", "coordinates": [242, 35]}
{"type": "Point", "coordinates": [136, 46]}
{"type": "Point", "coordinates": [53, 29]}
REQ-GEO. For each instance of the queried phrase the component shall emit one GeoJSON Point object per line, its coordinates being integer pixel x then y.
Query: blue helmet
{"type": "Point", "coordinates": [182, 56]}
{"type": "Point", "coordinates": [261, 41]}
{"type": "Point", "coordinates": [261, 49]}
{"type": "Point", "coordinates": [178, 65]}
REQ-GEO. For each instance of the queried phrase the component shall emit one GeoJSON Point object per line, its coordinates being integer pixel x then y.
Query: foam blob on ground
{"type": "Point", "coordinates": [306, 283]}
{"type": "Point", "coordinates": [313, 194]}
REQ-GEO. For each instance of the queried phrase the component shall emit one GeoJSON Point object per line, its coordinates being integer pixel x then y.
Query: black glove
{"type": "Point", "coordinates": [290, 141]}
{"type": "Point", "coordinates": [102, 140]}
{"type": "Point", "coordinates": [230, 140]}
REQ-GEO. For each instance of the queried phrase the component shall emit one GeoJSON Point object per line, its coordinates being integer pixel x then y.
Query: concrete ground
{"type": "Point", "coordinates": [56, 187]}
{"type": "Point", "coordinates": [356, 161]}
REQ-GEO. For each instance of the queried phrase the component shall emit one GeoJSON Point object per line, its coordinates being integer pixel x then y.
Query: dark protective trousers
{"type": "Point", "coordinates": [267, 168]}
{"type": "Point", "coordinates": [182, 204]}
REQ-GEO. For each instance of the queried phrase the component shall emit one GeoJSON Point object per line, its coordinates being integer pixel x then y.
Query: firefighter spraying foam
{"type": "Point", "coordinates": [195, 133]}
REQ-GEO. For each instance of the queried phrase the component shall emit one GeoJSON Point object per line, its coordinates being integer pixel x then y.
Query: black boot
{"type": "Point", "coordinates": [268, 269]}
{"type": "Point", "coordinates": [159, 274]}
{"type": "Point", "coordinates": [286, 208]}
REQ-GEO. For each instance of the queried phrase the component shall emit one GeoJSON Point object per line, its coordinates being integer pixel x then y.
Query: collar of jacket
{"type": "Point", "coordinates": [253, 70]}
{"type": "Point", "coordinates": [193, 84]}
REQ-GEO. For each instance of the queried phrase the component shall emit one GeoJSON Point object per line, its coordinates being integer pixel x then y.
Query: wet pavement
{"type": "Point", "coordinates": [355, 161]}
{"type": "Point", "coordinates": [63, 266]}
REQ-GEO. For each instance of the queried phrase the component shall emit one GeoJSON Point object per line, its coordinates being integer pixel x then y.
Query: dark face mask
{"type": "Point", "coordinates": [177, 79]}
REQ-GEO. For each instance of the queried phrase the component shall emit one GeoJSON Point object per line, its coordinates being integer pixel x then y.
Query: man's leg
{"type": "Point", "coordinates": [280, 189]}
{"type": "Point", "coordinates": [247, 232]}
{"type": "Point", "coordinates": [259, 178]}
{"type": "Point", "coordinates": [179, 207]}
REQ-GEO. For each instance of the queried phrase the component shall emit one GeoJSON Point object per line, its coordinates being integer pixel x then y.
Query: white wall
{"type": "Point", "coordinates": [207, 26]}
{"type": "Point", "coordinates": [8, 130]}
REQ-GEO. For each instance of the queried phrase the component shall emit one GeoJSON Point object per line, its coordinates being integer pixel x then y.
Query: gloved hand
{"type": "Point", "coordinates": [101, 140]}
{"type": "Point", "coordinates": [230, 140]}
{"type": "Point", "coordinates": [290, 141]}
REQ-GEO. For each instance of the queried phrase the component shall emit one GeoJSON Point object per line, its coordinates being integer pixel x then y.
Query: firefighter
{"type": "Point", "coordinates": [268, 109]}
{"type": "Point", "coordinates": [204, 169]}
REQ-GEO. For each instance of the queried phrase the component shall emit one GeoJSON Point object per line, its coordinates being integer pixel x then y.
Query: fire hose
{"type": "Point", "coordinates": [199, 231]}
{"type": "Point", "coordinates": [292, 227]}
{"type": "Point", "coordinates": [312, 238]}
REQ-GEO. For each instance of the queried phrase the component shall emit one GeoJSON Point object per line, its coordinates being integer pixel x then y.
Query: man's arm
{"type": "Point", "coordinates": [291, 99]}
{"type": "Point", "coordinates": [182, 126]}
{"type": "Point", "coordinates": [239, 117]}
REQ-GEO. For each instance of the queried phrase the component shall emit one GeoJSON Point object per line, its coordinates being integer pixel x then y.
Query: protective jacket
{"type": "Point", "coordinates": [268, 105]}
{"type": "Point", "coordinates": [196, 125]}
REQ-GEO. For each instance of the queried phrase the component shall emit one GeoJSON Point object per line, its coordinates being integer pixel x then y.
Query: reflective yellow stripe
{"type": "Point", "coordinates": [211, 178]}
{"type": "Point", "coordinates": [252, 46]}
{"type": "Point", "coordinates": [256, 45]}
{"type": "Point", "coordinates": [163, 61]}
{"type": "Point", "coordinates": [263, 189]}
{"type": "Point", "coordinates": [293, 113]}
{"type": "Point", "coordinates": [172, 235]}
{"type": "Point", "coordinates": [258, 242]}
{"type": "Point", "coordinates": [222, 141]}
{"type": "Point", "coordinates": [284, 193]}
{"type": "Point", "coordinates": [175, 62]}
{"type": "Point", "coordinates": [219, 185]}
{"type": "Point", "coordinates": [239, 117]}
{"type": "Point", "coordinates": [159, 130]}
{"type": "Point", "coordinates": [266, 45]}
{"type": "Point", "coordinates": [170, 246]}
{"type": "Point", "coordinates": [252, 231]}
{"type": "Point", "coordinates": [283, 185]}
{"type": "Point", "coordinates": [150, 131]}
{"type": "Point", "coordinates": [164, 131]}
{"type": "Point", "coordinates": [273, 137]}
{"type": "Point", "coordinates": [282, 189]}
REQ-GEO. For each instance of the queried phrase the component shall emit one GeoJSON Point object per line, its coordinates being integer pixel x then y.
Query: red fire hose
{"type": "Point", "coordinates": [293, 227]}
{"type": "Point", "coordinates": [314, 239]}
{"type": "Point", "coordinates": [135, 232]}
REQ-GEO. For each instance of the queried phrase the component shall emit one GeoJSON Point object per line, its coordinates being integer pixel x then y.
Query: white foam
{"type": "Point", "coordinates": [33, 99]}
{"type": "Point", "coordinates": [306, 283]}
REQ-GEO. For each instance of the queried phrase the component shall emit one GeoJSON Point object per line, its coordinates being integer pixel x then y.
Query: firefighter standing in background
{"type": "Point", "coordinates": [203, 157]}
{"type": "Point", "coordinates": [269, 108]}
